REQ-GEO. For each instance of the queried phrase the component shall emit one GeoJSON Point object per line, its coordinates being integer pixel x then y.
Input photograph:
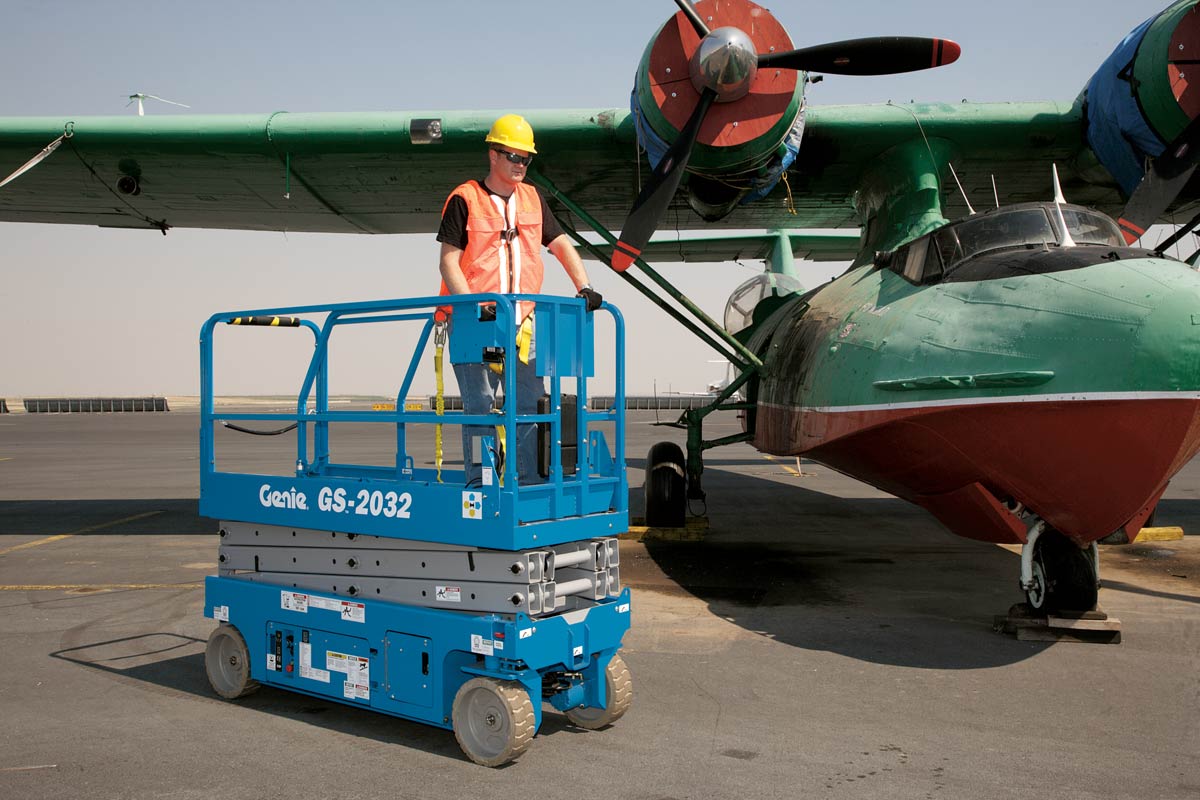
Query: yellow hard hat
{"type": "Point", "coordinates": [512, 131]}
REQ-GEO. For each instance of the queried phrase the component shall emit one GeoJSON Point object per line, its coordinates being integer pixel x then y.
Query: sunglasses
{"type": "Point", "coordinates": [516, 158]}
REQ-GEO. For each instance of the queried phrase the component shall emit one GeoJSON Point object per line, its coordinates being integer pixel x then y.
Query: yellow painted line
{"type": "Point", "coordinates": [27, 769]}
{"type": "Point", "coordinates": [88, 529]}
{"type": "Point", "coordinates": [94, 587]}
{"type": "Point", "coordinates": [1171, 534]}
{"type": "Point", "coordinates": [10, 458]}
{"type": "Point", "coordinates": [693, 530]}
{"type": "Point", "coordinates": [790, 469]}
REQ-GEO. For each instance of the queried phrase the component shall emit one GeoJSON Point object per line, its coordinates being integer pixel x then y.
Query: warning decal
{"type": "Point", "coordinates": [448, 594]}
{"type": "Point", "coordinates": [350, 612]}
{"type": "Point", "coordinates": [294, 601]}
{"type": "Point", "coordinates": [358, 674]}
{"type": "Point", "coordinates": [221, 613]}
{"type": "Point", "coordinates": [482, 646]}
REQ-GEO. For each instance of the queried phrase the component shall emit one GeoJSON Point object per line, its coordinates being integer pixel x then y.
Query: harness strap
{"type": "Point", "coordinates": [439, 339]}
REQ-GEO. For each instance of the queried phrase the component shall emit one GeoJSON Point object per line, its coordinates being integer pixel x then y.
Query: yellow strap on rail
{"type": "Point", "coordinates": [500, 448]}
{"type": "Point", "coordinates": [439, 340]}
{"type": "Point", "coordinates": [525, 339]}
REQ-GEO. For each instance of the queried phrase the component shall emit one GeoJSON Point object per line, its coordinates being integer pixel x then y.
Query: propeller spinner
{"type": "Point", "coordinates": [728, 68]}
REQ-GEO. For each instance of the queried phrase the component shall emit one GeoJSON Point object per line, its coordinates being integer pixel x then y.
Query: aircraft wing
{"type": "Point", "coordinates": [391, 172]}
{"type": "Point", "coordinates": [722, 247]}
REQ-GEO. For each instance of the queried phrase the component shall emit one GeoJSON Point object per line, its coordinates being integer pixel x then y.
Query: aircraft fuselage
{"type": "Point", "coordinates": [1064, 380]}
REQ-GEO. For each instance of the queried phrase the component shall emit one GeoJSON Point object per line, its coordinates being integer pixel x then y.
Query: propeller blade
{"type": "Point", "coordinates": [656, 195]}
{"type": "Point", "coordinates": [693, 16]}
{"type": "Point", "coordinates": [1162, 183]}
{"type": "Point", "coordinates": [881, 55]}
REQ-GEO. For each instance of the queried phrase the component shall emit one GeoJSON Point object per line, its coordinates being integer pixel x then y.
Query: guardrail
{"type": "Point", "coordinates": [403, 499]}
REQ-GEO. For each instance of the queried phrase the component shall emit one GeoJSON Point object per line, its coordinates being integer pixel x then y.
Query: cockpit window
{"type": "Point", "coordinates": [927, 259]}
{"type": "Point", "coordinates": [1005, 229]}
{"type": "Point", "coordinates": [1088, 227]}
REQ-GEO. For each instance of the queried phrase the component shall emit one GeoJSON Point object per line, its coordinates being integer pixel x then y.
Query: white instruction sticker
{"type": "Point", "coordinates": [482, 646]}
{"type": "Point", "coordinates": [448, 594]}
{"type": "Point", "coordinates": [472, 505]}
{"type": "Point", "coordinates": [221, 613]}
{"type": "Point", "coordinates": [487, 476]}
{"type": "Point", "coordinates": [499, 644]}
{"type": "Point", "coordinates": [525, 633]}
{"type": "Point", "coordinates": [294, 601]}
{"type": "Point", "coordinates": [306, 668]}
{"type": "Point", "coordinates": [270, 662]}
{"type": "Point", "coordinates": [578, 651]}
{"type": "Point", "coordinates": [623, 608]}
{"type": "Point", "coordinates": [326, 603]}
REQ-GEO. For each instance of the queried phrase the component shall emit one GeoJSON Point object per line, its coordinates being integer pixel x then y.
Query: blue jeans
{"type": "Point", "coordinates": [478, 385]}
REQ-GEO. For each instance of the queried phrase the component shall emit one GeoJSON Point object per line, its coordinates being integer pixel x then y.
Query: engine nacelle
{"type": "Point", "coordinates": [751, 134]}
{"type": "Point", "coordinates": [1145, 94]}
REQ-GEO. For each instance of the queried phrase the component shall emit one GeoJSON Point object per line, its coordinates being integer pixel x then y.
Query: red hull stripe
{"type": "Point", "coordinates": [1087, 464]}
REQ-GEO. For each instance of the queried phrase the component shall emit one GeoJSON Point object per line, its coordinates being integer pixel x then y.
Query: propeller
{"type": "Point", "coordinates": [657, 193]}
{"type": "Point", "coordinates": [723, 67]}
{"type": "Point", "coordinates": [881, 55]}
{"type": "Point", "coordinates": [1164, 180]}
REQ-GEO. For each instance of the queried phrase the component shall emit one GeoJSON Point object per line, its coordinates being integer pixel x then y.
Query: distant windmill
{"type": "Point", "coordinates": [139, 97]}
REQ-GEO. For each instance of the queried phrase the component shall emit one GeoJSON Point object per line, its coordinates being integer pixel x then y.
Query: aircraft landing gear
{"type": "Point", "coordinates": [666, 486]}
{"type": "Point", "coordinates": [1056, 574]}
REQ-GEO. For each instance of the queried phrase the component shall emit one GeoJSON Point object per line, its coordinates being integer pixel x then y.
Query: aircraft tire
{"type": "Point", "coordinates": [1070, 577]}
{"type": "Point", "coordinates": [666, 486]}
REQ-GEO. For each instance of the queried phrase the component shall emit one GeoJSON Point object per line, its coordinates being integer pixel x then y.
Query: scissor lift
{"type": "Point", "coordinates": [402, 588]}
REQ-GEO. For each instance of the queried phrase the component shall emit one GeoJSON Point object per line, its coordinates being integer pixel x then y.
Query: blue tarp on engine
{"type": "Point", "coordinates": [1117, 130]}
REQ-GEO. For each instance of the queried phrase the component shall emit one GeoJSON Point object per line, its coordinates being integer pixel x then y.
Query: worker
{"type": "Point", "coordinates": [492, 232]}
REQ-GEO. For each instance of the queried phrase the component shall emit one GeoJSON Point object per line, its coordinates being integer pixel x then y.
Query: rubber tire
{"type": "Point", "coordinates": [227, 663]}
{"type": "Point", "coordinates": [1071, 576]}
{"type": "Point", "coordinates": [618, 685]}
{"type": "Point", "coordinates": [510, 729]}
{"type": "Point", "coordinates": [666, 486]}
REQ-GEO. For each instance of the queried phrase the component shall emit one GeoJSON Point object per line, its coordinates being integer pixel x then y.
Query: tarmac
{"type": "Point", "coordinates": [824, 640]}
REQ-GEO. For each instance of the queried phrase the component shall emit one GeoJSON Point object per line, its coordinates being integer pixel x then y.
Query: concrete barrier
{"type": "Point", "coordinates": [91, 405]}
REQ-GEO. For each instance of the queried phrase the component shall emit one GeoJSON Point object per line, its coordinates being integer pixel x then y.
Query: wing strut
{"type": "Point", "coordinates": [717, 337]}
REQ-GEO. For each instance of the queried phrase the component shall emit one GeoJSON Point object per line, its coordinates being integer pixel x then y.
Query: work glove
{"type": "Point", "coordinates": [592, 297]}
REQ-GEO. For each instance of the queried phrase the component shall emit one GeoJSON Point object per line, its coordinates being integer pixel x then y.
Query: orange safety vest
{"type": "Point", "coordinates": [504, 243]}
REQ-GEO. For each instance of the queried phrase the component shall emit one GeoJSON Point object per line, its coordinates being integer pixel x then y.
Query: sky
{"type": "Point", "coordinates": [86, 311]}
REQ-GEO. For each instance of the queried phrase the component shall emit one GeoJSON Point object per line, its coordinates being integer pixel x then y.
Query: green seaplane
{"type": "Point", "coordinates": [1025, 373]}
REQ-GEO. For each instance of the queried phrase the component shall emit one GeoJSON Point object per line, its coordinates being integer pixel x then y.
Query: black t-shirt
{"type": "Point", "coordinates": [454, 221]}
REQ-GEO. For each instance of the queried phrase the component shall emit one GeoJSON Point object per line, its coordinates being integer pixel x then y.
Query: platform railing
{"type": "Point", "coordinates": [564, 342]}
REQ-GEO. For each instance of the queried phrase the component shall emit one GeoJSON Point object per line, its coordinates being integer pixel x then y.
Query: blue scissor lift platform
{"type": "Point", "coordinates": [410, 590]}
